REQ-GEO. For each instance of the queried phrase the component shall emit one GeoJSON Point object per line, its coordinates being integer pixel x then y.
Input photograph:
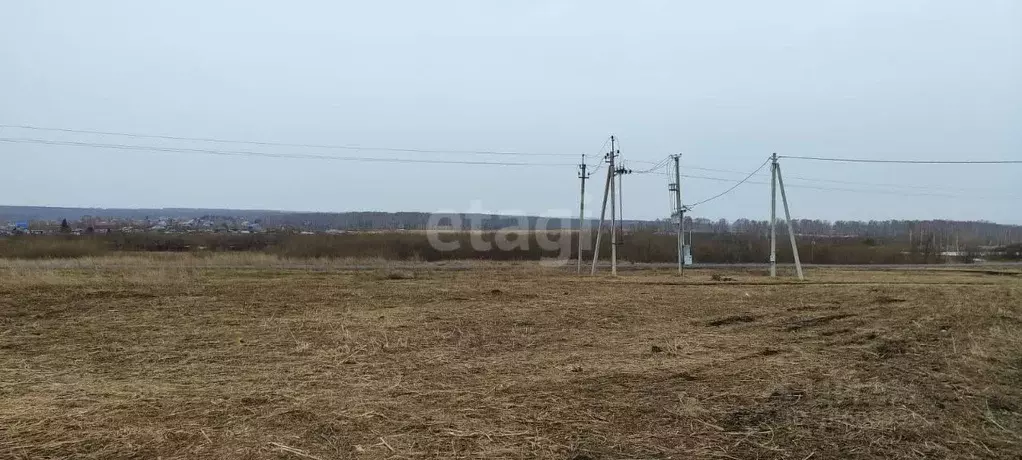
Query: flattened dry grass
{"type": "Point", "coordinates": [181, 358]}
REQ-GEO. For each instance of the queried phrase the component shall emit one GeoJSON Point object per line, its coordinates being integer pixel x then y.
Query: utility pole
{"type": "Point", "coordinates": [613, 213]}
{"type": "Point", "coordinates": [773, 215]}
{"type": "Point", "coordinates": [607, 193]}
{"type": "Point", "coordinates": [583, 175]}
{"type": "Point", "coordinates": [787, 218]}
{"type": "Point", "coordinates": [685, 245]}
{"type": "Point", "coordinates": [621, 171]}
{"type": "Point", "coordinates": [678, 211]}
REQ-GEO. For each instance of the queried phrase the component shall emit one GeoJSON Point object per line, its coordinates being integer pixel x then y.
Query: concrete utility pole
{"type": "Point", "coordinates": [678, 211]}
{"type": "Point", "coordinates": [773, 215]}
{"type": "Point", "coordinates": [684, 244]}
{"type": "Point", "coordinates": [603, 211]}
{"type": "Point", "coordinates": [787, 218]}
{"type": "Point", "coordinates": [583, 175]}
{"type": "Point", "coordinates": [613, 213]}
{"type": "Point", "coordinates": [621, 171]}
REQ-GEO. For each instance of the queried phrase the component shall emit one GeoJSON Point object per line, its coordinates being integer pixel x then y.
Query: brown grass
{"type": "Point", "coordinates": [178, 357]}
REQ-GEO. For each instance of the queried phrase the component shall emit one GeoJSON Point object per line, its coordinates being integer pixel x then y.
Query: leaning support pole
{"type": "Point", "coordinates": [603, 215]}
{"type": "Point", "coordinates": [773, 216]}
{"type": "Point", "coordinates": [787, 218]}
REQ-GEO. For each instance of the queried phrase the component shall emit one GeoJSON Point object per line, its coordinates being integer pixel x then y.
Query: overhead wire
{"type": "Point", "coordinates": [725, 192]}
{"type": "Point", "coordinates": [913, 162]}
{"type": "Point", "coordinates": [840, 189]}
{"type": "Point", "coordinates": [839, 181]}
{"type": "Point", "coordinates": [656, 166]}
{"type": "Point", "coordinates": [286, 144]}
{"type": "Point", "coordinates": [662, 160]}
{"type": "Point", "coordinates": [268, 154]}
{"type": "Point", "coordinates": [599, 156]}
{"type": "Point", "coordinates": [654, 169]}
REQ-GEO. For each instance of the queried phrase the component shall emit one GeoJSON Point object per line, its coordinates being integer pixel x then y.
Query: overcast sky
{"type": "Point", "coordinates": [724, 83]}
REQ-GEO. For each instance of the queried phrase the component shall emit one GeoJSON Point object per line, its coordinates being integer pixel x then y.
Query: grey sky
{"type": "Point", "coordinates": [724, 83]}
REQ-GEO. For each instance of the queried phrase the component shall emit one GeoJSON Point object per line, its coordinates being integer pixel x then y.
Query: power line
{"type": "Point", "coordinates": [656, 166]}
{"type": "Point", "coordinates": [599, 157]}
{"type": "Point", "coordinates": [286, 144]}
{"type": "Point", "coordinates": [914, 162]}
{"type": "Point", "coordinates": [663, 160]}
{"type": "Point", "coordinates": [838, 181]}
{"type": "Point", "coordinates": [267, 154]}
{"type": "Point", "coordinates": [840, 189]}
{"type": "Point", "coordinates": [725, 192]}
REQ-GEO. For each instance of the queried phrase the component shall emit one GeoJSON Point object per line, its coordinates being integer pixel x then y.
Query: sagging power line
{"type": "Point", "coordinates": [599, 157]}
{"type": "Point", "coordinates": [733, 187]}
{"type": "Point", "coordinates": [908, 162]}
{"type": "Point", "coordinates": [656, 166]}
{"type": "Point", "coordinates": [251, 153]}
{"type": "Point", "coordinates": [288, 144]}
{"type": "Point", "coordinates": [840, 181]}
{"type": "Point", "coordinates": [854, 190]}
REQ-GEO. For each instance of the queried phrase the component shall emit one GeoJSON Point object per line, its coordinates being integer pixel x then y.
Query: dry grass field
{"type": "Point", "coordinates": [255, 357]}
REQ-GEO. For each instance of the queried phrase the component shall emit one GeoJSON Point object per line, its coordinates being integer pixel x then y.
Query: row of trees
{"type": "Point", "coordinates": [945, 233]}
{"type": "Point", "coordinates": [640, 246]}
{"type": "Point", "coordinates": [911, 232]}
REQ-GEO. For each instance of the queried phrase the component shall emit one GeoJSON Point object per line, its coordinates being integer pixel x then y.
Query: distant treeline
{"type": "Point", "coordinates": [645, 246]}
{"type": "Point", "coordinates": [946, 233]}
